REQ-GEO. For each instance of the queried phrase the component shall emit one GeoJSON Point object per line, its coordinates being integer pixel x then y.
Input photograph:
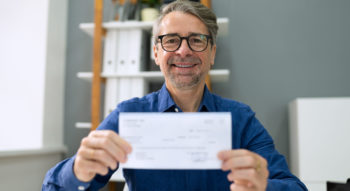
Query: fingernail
{"type": "Point", "coordinates": [122, 159]}
{"type": "Point", "coordinates": [223, 167]}
{"type": "Point", "coordinates": [129, 149]}
{"type": "Point", "coordinates": [125, 158]}
{"type": "Point", "coordinates": [250, 184]}
{"type": "Point", "coordinates": [219, 155]}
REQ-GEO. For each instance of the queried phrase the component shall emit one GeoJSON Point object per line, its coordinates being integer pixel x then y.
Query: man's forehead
{"type": "Point", "coordinates": [181, 23]}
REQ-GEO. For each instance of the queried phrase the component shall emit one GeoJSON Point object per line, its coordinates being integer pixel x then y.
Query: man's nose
{"type": "Point", "coordinates": [184, 50]}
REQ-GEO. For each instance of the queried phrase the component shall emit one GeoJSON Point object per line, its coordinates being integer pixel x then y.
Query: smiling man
{"type": "Point", "coordinates": [185, 52]}
{"type": "Point", "coordinates": [184, 49]}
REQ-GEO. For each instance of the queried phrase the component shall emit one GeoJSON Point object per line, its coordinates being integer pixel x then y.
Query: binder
{"type": "Point", "coordinates": [109, 50]}
{"type": "Point", "coordinates": [125, 54]}
{"type": "Point", "coordinates": [111, 95]}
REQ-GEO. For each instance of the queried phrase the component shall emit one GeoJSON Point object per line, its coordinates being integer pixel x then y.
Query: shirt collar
{"type": "Point", "coordinates": [207, 103]}
{"type": "Point", "coordinates": [166, 102]}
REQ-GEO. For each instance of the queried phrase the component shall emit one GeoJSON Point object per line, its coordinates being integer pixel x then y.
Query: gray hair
{"type": "Point", "coordinates": [194, 8]}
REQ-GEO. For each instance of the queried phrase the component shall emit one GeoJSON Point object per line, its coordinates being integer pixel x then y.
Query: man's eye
{"type": "Point", "coordinates": [171, 41]}
{"type": "Point", "coordinates": [197, 40]}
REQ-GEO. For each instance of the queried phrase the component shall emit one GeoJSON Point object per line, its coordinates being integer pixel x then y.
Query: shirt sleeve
{"type": "Point", "coordinates": [62, 177]}
{"type": "Point", "coordinates": [256, 138]}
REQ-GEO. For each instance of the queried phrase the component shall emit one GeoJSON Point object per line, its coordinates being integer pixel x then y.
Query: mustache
{"type": "Point", "coordinates": [176, 59]}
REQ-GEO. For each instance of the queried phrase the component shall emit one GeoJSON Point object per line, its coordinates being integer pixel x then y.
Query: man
{"type": "Point", "coordinates": [184, 50]}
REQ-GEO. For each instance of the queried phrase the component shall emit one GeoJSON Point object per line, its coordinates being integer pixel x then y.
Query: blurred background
{"type": "Point", "coordinates": [276, 51]}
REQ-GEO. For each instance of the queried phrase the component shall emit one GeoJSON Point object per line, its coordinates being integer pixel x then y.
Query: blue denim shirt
{"type": "Point", "coordinates": [247, 133]}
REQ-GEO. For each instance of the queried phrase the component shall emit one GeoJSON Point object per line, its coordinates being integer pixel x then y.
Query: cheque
{"type": "Point", "coordinates": [175, 140]}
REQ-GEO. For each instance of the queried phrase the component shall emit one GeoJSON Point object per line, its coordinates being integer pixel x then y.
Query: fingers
{"type": "Point", "coordinates": [239, 187]}
{"type": "Point", "coordinates": [106, 144]}
{"type": "Point", "coordinates": [85, 170]}
{"type": "Point", "coordinates": [244, 177]}
{"type": "Point", "coordinates": [98, 152]}
{"type": "Point", "coordinates": [237, 159]}
{"type": "Point", "coordinates": [113, 137]}
{"type": "Point", "coordinates": [91, 167]}
{"type": "Point", "coordinates": [238, 162]}
{"type": "Point", "coordinates": [248, 169]}
{"type": "Point", "coordinates": [98, 155]}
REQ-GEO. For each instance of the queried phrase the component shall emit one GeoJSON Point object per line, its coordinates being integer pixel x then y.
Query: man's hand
{"type": "Point", "coordinates": [99, 151]}
{"type": "Point", "coordinates": [248, 170]}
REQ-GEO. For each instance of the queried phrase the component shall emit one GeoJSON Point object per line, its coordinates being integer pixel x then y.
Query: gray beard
{"type": "Point", "coordinates": [184, 85]}
{"type": "Point", "coordinates": [180, 84]}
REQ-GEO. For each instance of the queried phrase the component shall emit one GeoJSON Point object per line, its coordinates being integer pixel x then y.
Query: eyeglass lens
{"type": "Point", "coordinates": [196, 42]}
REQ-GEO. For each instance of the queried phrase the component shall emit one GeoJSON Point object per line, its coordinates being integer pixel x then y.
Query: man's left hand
{"type": "Point", "coordinates": [248, 170]}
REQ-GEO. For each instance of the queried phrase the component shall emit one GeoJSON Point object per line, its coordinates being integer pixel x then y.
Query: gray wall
{"type": "Point", "coordinates": [79, 59]}
{"type": "Point", "coordinates": [276, 50]}
{"type": "Point", "coordinates": [77, 94]}
{"type": "Point", "coordinates": [25, 170]}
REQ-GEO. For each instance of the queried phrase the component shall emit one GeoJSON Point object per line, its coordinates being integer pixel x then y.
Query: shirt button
{"type": "Point", "coordinates": [81, 188]}
{"type": "Point", "coordinates": [176, 109]}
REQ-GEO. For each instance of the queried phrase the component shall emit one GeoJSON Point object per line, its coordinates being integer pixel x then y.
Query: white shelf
{"type": "Point", "coordinates": [38, 151]}
{"type": "Point", "coordinates": [89, 27]}
{"type": "Point", "coordinates": [82, 125]}
{"type": "Point", "coordinates": [156, 76]}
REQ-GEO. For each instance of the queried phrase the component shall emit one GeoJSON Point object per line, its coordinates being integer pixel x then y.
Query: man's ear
{"type": "Point", "coordinates": [155, 53]}
{"type": "Point", "coordinates": [212, 55]}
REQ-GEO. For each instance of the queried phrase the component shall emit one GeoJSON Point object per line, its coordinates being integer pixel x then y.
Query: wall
{"type": "Point", "coordinates": [26, 170]}
{"type": "Point", "coordinates": [280, 50]}
{"type": "Point", "coordinates": [79, 59]}
{"type": "Point", "coordinates": [32, 73]}
{"type": "Point", "coordinates": [276, 51]}
{"type": "Point", "coordinates": [32, 76]}
{"type": "Point", "coordinates": [22, 70]}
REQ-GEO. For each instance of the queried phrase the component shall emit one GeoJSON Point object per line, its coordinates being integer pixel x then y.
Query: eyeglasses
{"type": "Point", "coordinates": [196, 42]}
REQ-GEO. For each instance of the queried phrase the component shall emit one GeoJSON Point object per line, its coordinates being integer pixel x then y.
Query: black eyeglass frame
{"type": "Point", "coordinates": [209, 37]}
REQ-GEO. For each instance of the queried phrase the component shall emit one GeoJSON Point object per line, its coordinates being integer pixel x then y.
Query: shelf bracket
{"type": "Point", "coordinates": [207, 3]}
{"type": "Point", "coordinates": [96, 65]}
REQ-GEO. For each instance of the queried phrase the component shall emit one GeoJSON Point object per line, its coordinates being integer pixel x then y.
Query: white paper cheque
{"type": "Point", "coordinates": [175, 140]}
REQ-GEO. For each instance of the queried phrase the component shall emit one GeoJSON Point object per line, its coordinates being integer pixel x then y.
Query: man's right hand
{"type": "Point", "coordinates": [100, 150]}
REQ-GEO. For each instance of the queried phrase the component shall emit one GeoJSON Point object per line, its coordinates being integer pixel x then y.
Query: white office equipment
{"type": "Point", "coordinates": [320, 140]}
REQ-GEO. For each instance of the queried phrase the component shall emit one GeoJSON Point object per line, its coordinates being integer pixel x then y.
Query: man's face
{"type": "Point", "coordinates": [183, 68]}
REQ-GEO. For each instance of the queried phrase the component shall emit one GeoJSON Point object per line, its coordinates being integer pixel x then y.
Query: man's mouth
{"type": "Point", "coordinates": [184, 65]}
